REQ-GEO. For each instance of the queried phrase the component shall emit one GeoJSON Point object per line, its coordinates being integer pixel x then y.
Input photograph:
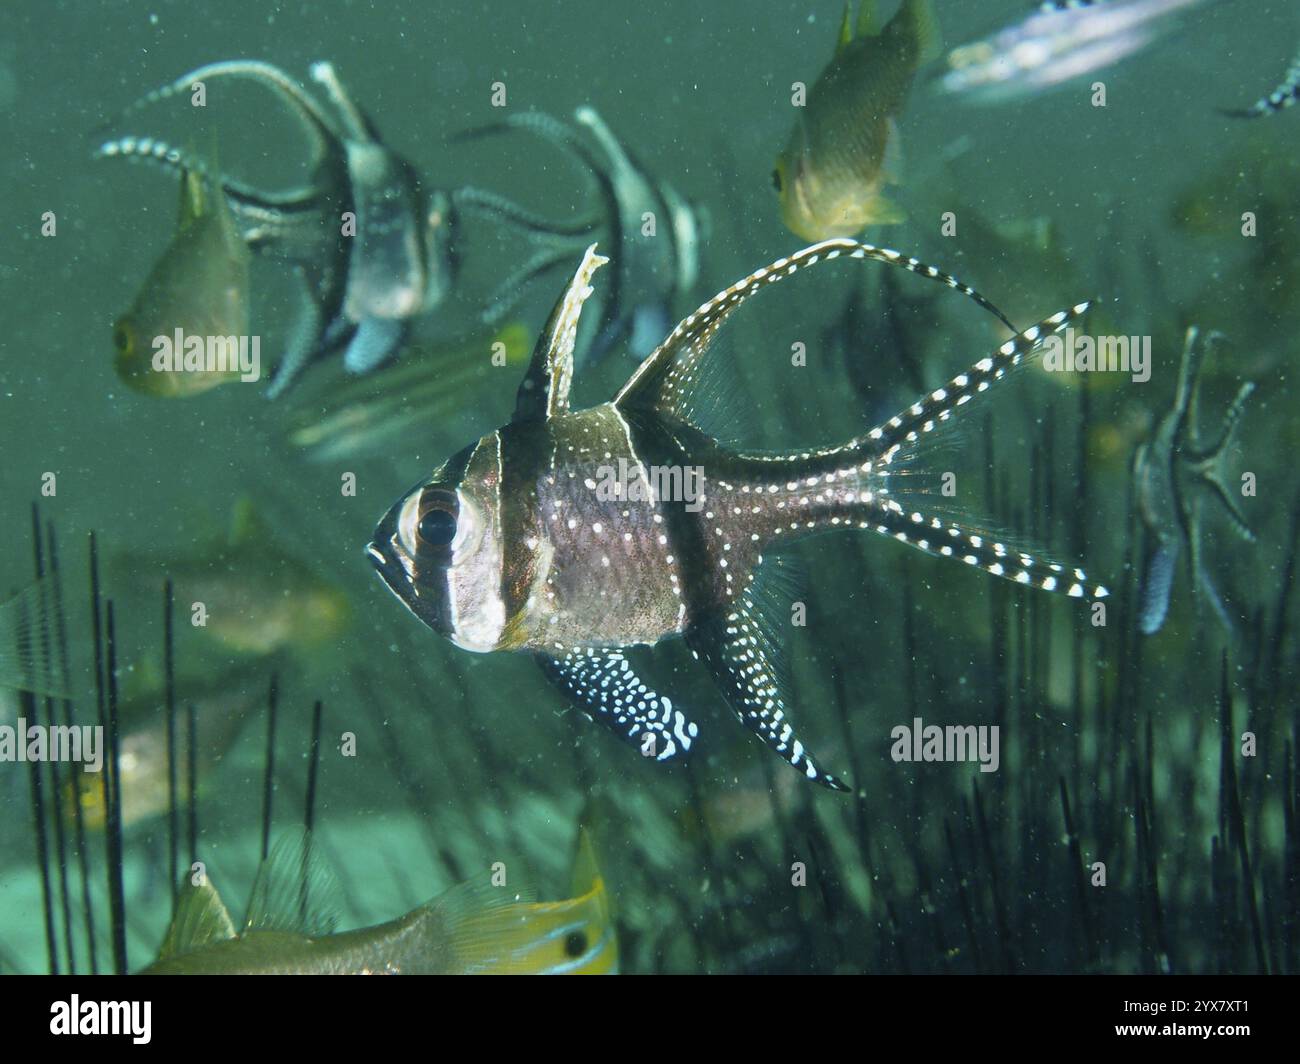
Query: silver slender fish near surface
{"type": "Point", "coordinates": [1060, 41]}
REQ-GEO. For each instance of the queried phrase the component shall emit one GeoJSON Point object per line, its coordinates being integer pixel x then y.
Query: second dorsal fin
{"type": "Point", "coordinates": [295, 890]}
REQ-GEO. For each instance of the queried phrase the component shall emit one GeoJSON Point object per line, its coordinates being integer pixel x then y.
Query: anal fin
{"type": "Point", "coordinates": [304, 341]}
{"type": "Point", "coordinates": [1157, 583]}
{"type": "Point", "coordinates": [743, 660]}
{"type": "Point", "coordinates": [374, 343]}
{"type": "Point", "coordinates": [602, 684]}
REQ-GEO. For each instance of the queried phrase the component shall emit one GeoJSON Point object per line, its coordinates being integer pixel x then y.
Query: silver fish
{"type": "Point", "coordinates": [1060, 41]}
{"type": "Point", "coordinates": [359, 292]}
{"type": "Point", "coordinates": [1173, 472]}
{"type": "Point", "coordinates": [521, 542]}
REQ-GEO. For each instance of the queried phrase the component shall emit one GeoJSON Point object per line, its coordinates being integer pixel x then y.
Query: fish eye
{"type": "Point", "coordinates": [437, 528]}
{"type": "Point", "coordinates": [122, 338]}
{"type": "Point", "coordinates": [575, 944]}
{"type": "Point", "coordinates": [438, 519]}
{"type": "Point", "coordinates": [776, 179]}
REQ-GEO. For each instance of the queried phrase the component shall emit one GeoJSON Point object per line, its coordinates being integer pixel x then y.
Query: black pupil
{"type": "Point", "coordinates": [776, 179]}
{"type": "Point", "coordinates": [575, 945]}
{"type": "Point", "coordinates": [438, 528]}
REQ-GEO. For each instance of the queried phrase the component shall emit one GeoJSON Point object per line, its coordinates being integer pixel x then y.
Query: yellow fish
{"type": "Point", "coordinates": [472, 929]}
{"type": "Point", "coordinates": [198, 290]}
{"type": "Point", "coordinates": [844, 148]}
{"type": "Point", "coordinates": [221, 711]}
{"type": "Point", "coordinates": [257, 597]}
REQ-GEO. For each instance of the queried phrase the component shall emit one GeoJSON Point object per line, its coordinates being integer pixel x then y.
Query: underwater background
{"type": "Point", "coordinates": [1117, 747]}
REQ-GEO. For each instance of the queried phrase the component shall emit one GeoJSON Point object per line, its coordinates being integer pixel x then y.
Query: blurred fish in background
{"type": "Point", "coordinates": [369, 246]}
{"type": "Point", "coordinates": [844, 149]}
{"type": "Point", "coordinates": [1061, 41]}
{"type": "Point", "coordinates": [198, 290]}
{"type": "Point", "coordinates": [1177, 474]}
{"type": "Point", "coordinates": [653, 233]}
{"type": "Point", "coordinates": [244, 594]}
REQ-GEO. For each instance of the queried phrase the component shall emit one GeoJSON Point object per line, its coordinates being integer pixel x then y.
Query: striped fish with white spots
{"type": "Point", "coordinates": [511, 544]}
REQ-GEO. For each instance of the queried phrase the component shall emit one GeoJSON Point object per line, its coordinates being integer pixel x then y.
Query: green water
{"type": "Point", "coordinates": [465, 760]}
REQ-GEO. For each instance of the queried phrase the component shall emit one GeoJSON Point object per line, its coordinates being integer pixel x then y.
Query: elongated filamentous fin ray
{"type": "Point", "coordinates": [937, 407]}
{"type": "Point", "coordinates": [506, 295]}
{"type": "Point", "coordinates": [246, 199]}
{"type": "Point", "coordinates": [549, 128]}
{"type": "Point", "coordinates": [357, 125]}
{"type": "Point", "coordinates": [670, 371]}
{"type": "Point", "coordinates": [889, 443]}
{"type": "Point", "coordinates": [152, 150]}
{"type": "Point", "coordinates": [1285, 95]}
{"type": "Point", "coordinates": [601, 682]}
{"type": "Point", "coordinates": [316, 123]}
{"type": "Point", "coordinates": [946, 538]}
{"type": "Point", "coordinates": [736, 649]}
{"type": "Point", "coordinates": [1231, 419]}
{"type": "Point", "coordinates": [491, 204]}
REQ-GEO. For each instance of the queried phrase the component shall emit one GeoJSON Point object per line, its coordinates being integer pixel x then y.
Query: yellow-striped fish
{"type": "Point", "coordinates": [844, 149]}
{"type": "Point", "coordinates": [472, 929]}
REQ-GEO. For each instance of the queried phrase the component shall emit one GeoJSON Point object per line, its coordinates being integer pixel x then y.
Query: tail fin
{"type": "Point", "coordinates": [910, 511]}
{"type": "Point", "coordinates": [27, 639]}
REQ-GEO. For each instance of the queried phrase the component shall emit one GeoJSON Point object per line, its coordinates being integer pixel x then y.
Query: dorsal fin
{"type": "Point", "coordinates": [295, 890]}
{"type": "Point", "coordinates": [917, 19]}
{"type": "Point", "coordinates": [544, 392]}
{"type": "Point", "coordinates": [200, 919]}
{"type": "Point", "coordinates": [846, 28]}
{"type": "Point", "coordinates": [664, 381]}
{"type": "Point", "coordinates": [246, 524]}
{"type": "Point", "coordinates": [194, 199]}
{"type": "Point", "coordinates": [586, 870]}
{"type": "Point", "coordinates": [868, 24]}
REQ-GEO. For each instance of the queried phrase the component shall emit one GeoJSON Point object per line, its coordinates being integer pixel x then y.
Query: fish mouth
{"type": "Point", "coordinates": [389, 571]}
